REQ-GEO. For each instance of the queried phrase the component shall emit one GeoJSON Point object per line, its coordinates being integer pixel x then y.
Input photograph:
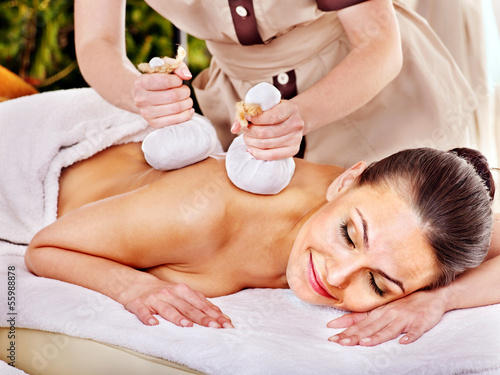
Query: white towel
{"type": "Point", "coordinates": [5, 369]}
{"type": "Point", "coordinates": [275, 333]}
{"type": "Point", "coordinates": [56, 129]}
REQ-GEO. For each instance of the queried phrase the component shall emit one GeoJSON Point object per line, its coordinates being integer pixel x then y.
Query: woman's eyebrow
{"type": "Point", "coordinates": [365, 229]}
{"type": "Point", "coordinates": [366, 246]}
{"type": "Point", "coordinates": [386, 276]}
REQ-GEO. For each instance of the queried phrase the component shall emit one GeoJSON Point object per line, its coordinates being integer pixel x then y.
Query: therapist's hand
{"type": "Point", "coordinates": [412, 315]}
{"type": "Point", "coordinates": [162, 99]}
{"type": "Point", "coordinates": [176, 303]}
{"type": "Point", "coordinates": [274, 134]}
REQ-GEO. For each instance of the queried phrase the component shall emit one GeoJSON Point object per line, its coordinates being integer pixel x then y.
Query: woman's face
{"type": "Point", "coordinates": [361, 250]}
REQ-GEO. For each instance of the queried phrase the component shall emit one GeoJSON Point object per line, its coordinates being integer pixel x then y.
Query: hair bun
{"type": "Point", "coordinates": [480, 164]}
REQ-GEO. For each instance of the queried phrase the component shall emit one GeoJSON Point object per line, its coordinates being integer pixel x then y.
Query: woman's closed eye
{"type": "Point", "coordinates": [375, 287]}
{"type": "Point", "coordinates": [345, 234]}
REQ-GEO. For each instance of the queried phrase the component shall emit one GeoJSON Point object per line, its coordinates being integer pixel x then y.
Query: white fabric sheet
{"type": "Point", "coordinates": [5, 369]}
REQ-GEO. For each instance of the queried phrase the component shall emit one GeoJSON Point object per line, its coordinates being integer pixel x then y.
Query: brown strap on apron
{"type": "Point", "coordinates": [244, 21]}
{"type": "Point", "coordinates": [288, 89]}
{"type": "Point", "coordinates": [330, 5]}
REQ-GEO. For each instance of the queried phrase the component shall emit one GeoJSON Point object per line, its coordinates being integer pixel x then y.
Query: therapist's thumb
{"type": "Point", "coordinates": [183, 72]}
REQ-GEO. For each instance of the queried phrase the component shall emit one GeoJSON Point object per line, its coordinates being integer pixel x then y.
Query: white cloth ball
{"type": "Point", "coordinates": [257, 176]}
{"type": "Point", "coordinates": [250, 174]}
{"type": "Point", "coordinates": [264, 94]}
{"type": "Point", "coordinates": [178, 146]}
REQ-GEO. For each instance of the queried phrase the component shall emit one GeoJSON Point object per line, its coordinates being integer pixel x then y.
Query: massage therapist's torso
{"type": "Point", "coordinates": [230, 237]}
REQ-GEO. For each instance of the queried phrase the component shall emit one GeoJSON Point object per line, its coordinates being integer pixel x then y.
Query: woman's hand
{"type": "Point", "coordinates": [176, 303]}
{"type": "Point", "coordinates": [274, 134]}
{"type": "Point", "coordinates": [413, 315]}
{"type": "Point", "coordinates": [162, 99]}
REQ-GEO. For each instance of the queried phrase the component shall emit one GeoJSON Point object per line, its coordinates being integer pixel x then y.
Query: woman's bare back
{"type": "Point", "coordinates": [214, 218]}
{"type": "Point", "coordinates": [116, 170]}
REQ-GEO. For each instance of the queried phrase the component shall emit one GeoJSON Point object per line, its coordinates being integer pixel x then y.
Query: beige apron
{"type": "Point", "coordinates": [428, 104]}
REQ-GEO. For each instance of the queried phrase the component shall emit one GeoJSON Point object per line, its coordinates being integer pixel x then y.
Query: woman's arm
{"type": "Point", "coordinates": [161, 99]}
{"type": "Point", "coordinates": [139, 292]}
{"type": "Point", "coordinates": [420, 311]}
{"type": "Point", "coordinates": [375, 60]}
{"type": "Point", "coordinates": [99, 245]}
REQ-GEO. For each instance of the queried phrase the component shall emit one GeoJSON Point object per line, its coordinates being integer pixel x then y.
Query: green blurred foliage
{"type": "Point", "coordinates": [37, 41]}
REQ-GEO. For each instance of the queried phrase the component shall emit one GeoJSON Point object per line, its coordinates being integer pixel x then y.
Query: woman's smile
{"type": "Point", "coordinates": [315, 280]}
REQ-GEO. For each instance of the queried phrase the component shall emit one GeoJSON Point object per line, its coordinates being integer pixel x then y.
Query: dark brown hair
{"type": "Point", "coordinates": [451, 192]}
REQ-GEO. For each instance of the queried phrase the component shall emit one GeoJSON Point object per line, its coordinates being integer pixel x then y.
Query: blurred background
{"type": "Point", "coordinates": [37, 41]}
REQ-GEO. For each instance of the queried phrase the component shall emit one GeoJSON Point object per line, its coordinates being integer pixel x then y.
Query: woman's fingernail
{"type": "Point", "coordinates": [185, 322]}
{"type": "Point", "coordinates": [227, 325]}
{"type": "Point", "coordinates": [406, 338]}
{"type": "Point", "coordinates": [366, 339]}
{"type": "Point", "coordinates": [213, 324]}
{"type": "Point", "coordinates": [152, 322]}
{"type": "Point", "coordinates": [187, 73]}
{"type": "Point", "coordinates": [345, 341]}
{"type": "Point", "coordinates": [334, 338]}
{"type": "Point", "coordinates": [225, 316]}
{"type": "Point", "coordinates": [234, 126]}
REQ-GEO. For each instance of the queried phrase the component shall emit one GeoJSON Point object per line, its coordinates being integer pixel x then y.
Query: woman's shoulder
{"type": "Point", "coordinates": [309, 175]}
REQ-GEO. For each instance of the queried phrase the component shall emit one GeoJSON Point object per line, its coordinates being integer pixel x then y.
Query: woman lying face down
{"type": "Point", "coordinates": [160, 242]}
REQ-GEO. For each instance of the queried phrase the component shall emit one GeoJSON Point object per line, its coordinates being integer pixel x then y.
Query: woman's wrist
{"type": "Point", "coordinates": [308, 119]}
{"type": "Point", "coordinates": [447, 296]}
{"type": "Point", "coordinates": [127, 287]}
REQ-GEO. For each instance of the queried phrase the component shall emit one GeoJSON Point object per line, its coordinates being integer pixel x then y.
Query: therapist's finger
{"type": "Point", "coordinates": [285, 113]}
{"type": "Point", "coordinates": [277, 114]}
{"type": "Point", "coordinates": [152, 98]}
{"type": "Point", "coordinates": [287, 140]}
{"type": "Point", "coordinates": [183, 72]}
{"type": "Point", "coordinates": [157, 82]}
{"type": "Point", "coordinates": [274, 154]}
{"type": "Point", "coordinates": [268, 131]}
{"type": "Point", "coordinates": [161, 122]}
{"type": "Point", "coordinates": [235, 127]}
{"type": "Point", "coordinates": [166, 109]}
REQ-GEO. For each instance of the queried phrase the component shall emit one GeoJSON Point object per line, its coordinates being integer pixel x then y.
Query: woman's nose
{"type": "Point", "coordinates": [340, 272]}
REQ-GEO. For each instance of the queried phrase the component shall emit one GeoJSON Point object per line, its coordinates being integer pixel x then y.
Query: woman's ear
{"type": "Point", "coordinates": [345, 180]}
